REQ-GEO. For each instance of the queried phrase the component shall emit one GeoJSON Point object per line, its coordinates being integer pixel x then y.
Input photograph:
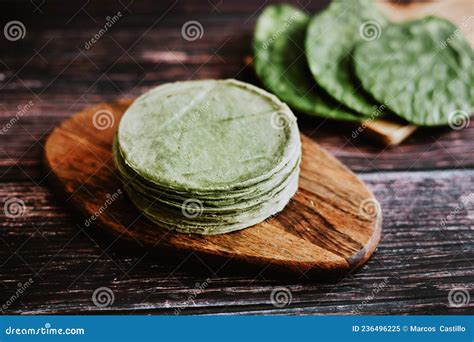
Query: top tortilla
{"type": "Point", "coordinates": [209, 135]}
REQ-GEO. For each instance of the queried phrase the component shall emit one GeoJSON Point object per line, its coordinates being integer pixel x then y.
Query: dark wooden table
{"type": "Point", "coordinates": [427, 247]}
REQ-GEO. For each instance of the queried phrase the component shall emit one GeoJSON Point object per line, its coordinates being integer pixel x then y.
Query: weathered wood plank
{"type": "Point", "coordinates": [426, 250]}
{"type": "Point", "coordinates": [144, 9]}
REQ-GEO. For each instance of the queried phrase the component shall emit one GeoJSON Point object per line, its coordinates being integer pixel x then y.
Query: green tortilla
{"type": "Point", "coordinates": [215, 224]}
{"type": "Point", "coordinates": [421, 69]}
{"type": "Point", "coordinates": [281, 65]}
{"type": "Point", "coordinates": [207, 135]}
{"type": "Point", "coordinates": [230, 148]}
{"type": "Point", "coordinates": [232, 202]}
{"type": "Point", "coordinates": [330, 40]}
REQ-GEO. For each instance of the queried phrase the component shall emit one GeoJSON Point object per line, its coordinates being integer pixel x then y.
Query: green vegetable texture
{"type": "Point", "coordinates": [421, 69]}
{"type": "Point", "coordinates": [329, 44]}
{"type": "Point", "coordinates": [281, 64]}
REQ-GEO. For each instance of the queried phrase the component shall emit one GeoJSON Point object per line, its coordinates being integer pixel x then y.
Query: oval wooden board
{"type": "Point", "coordinates": [332, 224]}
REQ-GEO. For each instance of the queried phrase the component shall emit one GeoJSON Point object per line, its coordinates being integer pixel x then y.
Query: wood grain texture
{"type": "Point", "coordinates": [416, 264]}
{"type": "Point", "coordinates": [389, 133]}
{"type": "Point", "coordinates": [419, 184]}
{"type": "Point", "coordinates": [332, 224]}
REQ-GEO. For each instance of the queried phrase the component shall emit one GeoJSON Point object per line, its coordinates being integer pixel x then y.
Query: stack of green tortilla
{"type": "Point", "coordinates": [208, 157]}
{"type": "Point", "coordinates": [350, 63]}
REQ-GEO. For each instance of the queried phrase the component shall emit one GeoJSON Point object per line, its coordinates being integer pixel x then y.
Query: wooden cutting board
{"type": "Point", "coordinates": [332, 224]}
